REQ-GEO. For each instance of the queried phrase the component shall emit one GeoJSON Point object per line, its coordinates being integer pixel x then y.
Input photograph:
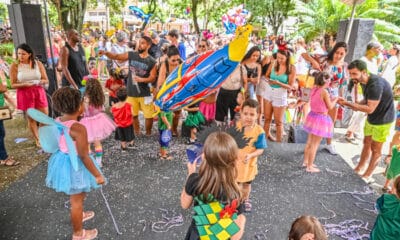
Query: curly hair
{"type": "Point", "coordinates": [66, 100]}
{"type": "Point", "coordinates": [94, 92]}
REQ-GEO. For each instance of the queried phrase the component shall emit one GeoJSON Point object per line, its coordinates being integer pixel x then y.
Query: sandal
{"type": "Point", "coordinates": [166, 157]}
{"type": "Point", "coordinates": [9, 162]}
{"type": "Point", "coordinates": [86, 235]}
{"type": "Point", "coordinates": [87, 215]}
{"type": "Point", "coordinates": [247, 205]}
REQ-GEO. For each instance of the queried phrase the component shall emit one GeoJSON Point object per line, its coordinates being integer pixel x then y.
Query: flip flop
{"type": "Point", "coordinates": [86, 235]}
{"type": "Point", "coordinates": [9, 162]}
{"type": "Point", "coordinates": [87, 216]}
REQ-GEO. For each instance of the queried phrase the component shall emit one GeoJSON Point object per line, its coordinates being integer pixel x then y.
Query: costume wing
{"type": "Point", "coordinates": [50, 134]}
{"type": "Point", "coordinates": [237, 134]}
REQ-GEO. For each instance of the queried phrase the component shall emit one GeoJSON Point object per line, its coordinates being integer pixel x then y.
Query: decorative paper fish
{"type": "Point", "coordinates": [140, 14]}
{"type": "Point", "coordinates": [198, 77]}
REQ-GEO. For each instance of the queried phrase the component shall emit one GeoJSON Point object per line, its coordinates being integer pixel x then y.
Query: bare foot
{"type": "Point", "coordinates": [312, 170]}
{"type": "Point", "coordinates": [305, 165]}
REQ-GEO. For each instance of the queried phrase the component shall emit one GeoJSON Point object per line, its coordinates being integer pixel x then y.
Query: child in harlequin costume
{"type": "Point", "coordinates": [247, 163]}
{"type": "Point", "coordinates": [214, 191]}
{"type": "Point", "coordinates": [99, 126]}
{"type": "Point", "coordinates": [193, 120]}
{"type": "Point", "coordinates": [388, 220]}
{"type": "Point", "coordinates": [164, 128]}
{"type": "Point", "coordinates": [122, 112]}
{"type": "Point", "coordinates": [70, 169]}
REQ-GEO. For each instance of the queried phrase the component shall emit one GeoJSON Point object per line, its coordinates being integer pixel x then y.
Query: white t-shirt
{"type": "Point", "coordinates": [389, 71]}
{"type": "Point", "coordinates": [372, 65]}
{"type": "Point", "coordinates": [301, 63]}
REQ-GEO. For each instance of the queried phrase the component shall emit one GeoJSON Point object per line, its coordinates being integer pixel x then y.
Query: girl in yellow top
{"type": "Point", "coordinates": [247, 164]}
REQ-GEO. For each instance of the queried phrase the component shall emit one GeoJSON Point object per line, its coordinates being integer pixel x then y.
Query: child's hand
{"type": "Point", "coordinates": [100, 180]}
{"type": "Point", "coordinates": [247, 158]}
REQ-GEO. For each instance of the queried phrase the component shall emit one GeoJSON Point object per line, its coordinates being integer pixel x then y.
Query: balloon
{"type": "Point", "coordinates": [200, 76]}
{"type": "Point", "coordinates": [234, 17]}
{"type": "Point", "coordinates": [140, 14]}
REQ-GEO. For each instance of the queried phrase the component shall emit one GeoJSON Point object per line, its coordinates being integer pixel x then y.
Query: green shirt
{"type": "Point", "coordinates": [387, 225]}
{"type": "Point", "coordinates": [1, 100]}
{"type": "Point", "coordinates": [161, 124]}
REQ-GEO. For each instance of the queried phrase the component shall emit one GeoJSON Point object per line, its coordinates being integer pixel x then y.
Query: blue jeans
{"type": "Point", "coordinates": [3, 151]}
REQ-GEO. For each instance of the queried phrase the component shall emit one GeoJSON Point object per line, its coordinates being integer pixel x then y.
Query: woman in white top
{"type": "Point", "coordinates": [390, 68]}
{"type": "Point", "coordinates": [28, 76]}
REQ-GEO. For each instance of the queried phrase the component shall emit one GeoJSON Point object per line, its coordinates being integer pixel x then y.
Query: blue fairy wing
{"type": "Point", "coordinates": [49, 135]}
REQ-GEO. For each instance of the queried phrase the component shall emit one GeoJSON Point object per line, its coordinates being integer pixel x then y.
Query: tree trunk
{"type": "Point", "coordinates": [71, 17]}
{"type": "Point", "coordinates": [194, 12]}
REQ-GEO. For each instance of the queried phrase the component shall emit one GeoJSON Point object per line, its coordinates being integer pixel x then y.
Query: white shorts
{"type": "Point", "coordinates": [277, 96]}
{"type": "Point", "coordinates": [261, 87]}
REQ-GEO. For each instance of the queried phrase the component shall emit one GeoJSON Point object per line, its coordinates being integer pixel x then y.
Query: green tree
{"type": "Point", "coordinates": [71, 13]}
{"type": "Point", "coordinates": [322, 17]}
{"type": "Point", "coordinates": [274, 11]}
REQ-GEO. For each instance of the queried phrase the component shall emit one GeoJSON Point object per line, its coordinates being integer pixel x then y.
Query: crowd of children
{"type": "Point", "coordinates": [226, 172]}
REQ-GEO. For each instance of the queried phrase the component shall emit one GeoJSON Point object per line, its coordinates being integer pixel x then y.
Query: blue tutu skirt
{"type": "Point", "coordinates": [319, 124]}
{"type": "Point", "coordinates": [63, 178]}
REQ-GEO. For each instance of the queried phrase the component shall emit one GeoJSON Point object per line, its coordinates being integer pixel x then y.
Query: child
{"type": "Point", "coordinates": [318, 124]}
{"type": "Point", "coordinates": [247, 164]}
{"type": "Point", "coordinates": [193, 120]}
{"type": "Point", "coordinates": [239, 99]}
{"type": "Point", "coordinates": [113, 84]}
{"type": "Point", "coordinates": [164, 124]}
{"type": "Point", "coordinates": [388, 220]}
{"type": "Point", "coordinates": [208, 107]}
{"type": "Point", "coordinates": [122, 112]}
{"type": "Point", "coordinates": [216, 180]}
{"type": "Point", "coordinates": [99, 126]}
{"type": "Point", "coordinates": [393, 169]}
{"type": "Point", "coordinates": [60, 173]}
{"type": "Point", "coordinates": [307, 228]}
{"type": "Point", "coordinates": [92, 68]}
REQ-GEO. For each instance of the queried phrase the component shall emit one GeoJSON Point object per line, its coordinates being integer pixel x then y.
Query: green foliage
{"type": "Point", "coordinates": [320, 17]}
{"type": "Point", "coordinates": [274, 11]}
{"type": "Point", "coordinates": [3, 11]}
{"type": "Point", "coordinates": [6, 49]}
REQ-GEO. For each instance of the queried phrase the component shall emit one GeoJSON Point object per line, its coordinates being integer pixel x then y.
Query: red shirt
{"type": "Point", "coordinates": [114, 83]}
{"type": "Point", "coordinates": [122, 115]}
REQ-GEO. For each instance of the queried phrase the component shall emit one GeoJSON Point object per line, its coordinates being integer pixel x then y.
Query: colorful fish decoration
{"type": "Point", "coordinates": [140, 14]}
{"type": "Point", "coordinates": [202, 75]}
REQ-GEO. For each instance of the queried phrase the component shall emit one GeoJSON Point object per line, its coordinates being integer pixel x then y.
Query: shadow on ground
{"type": "Point", "coordinates": [140, 187]}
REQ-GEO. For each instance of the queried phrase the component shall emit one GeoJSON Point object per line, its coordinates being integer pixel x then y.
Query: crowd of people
{"type": "Point", "coordinates": [254, 98]}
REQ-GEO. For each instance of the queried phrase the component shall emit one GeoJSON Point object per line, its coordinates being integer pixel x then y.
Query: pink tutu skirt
{"type": "Point", "coordinates": [319, 124]}
{"type": "Point", "coordinates": [98, 127]}
{"type": "Point", "coordinates": [208, 110]}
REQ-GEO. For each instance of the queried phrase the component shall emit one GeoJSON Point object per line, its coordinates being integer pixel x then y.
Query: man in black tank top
{"type": "Point", "coordinates": [73, 61]}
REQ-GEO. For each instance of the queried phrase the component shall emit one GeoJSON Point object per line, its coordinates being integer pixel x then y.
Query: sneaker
{"type": "Point", "coordinates": [368, 180]}
{"type": "Point", "coordinates": [331, 149]}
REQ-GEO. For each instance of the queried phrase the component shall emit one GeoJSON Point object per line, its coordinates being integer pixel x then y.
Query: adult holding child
{"type": "Point", "coordinates": [28, 76]}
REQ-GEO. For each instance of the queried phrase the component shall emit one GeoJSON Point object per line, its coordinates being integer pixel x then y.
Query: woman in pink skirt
{"type": "Point", "coordinates": [28, 76]}
{"type": "Point", "coordinates": [318, 124]}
